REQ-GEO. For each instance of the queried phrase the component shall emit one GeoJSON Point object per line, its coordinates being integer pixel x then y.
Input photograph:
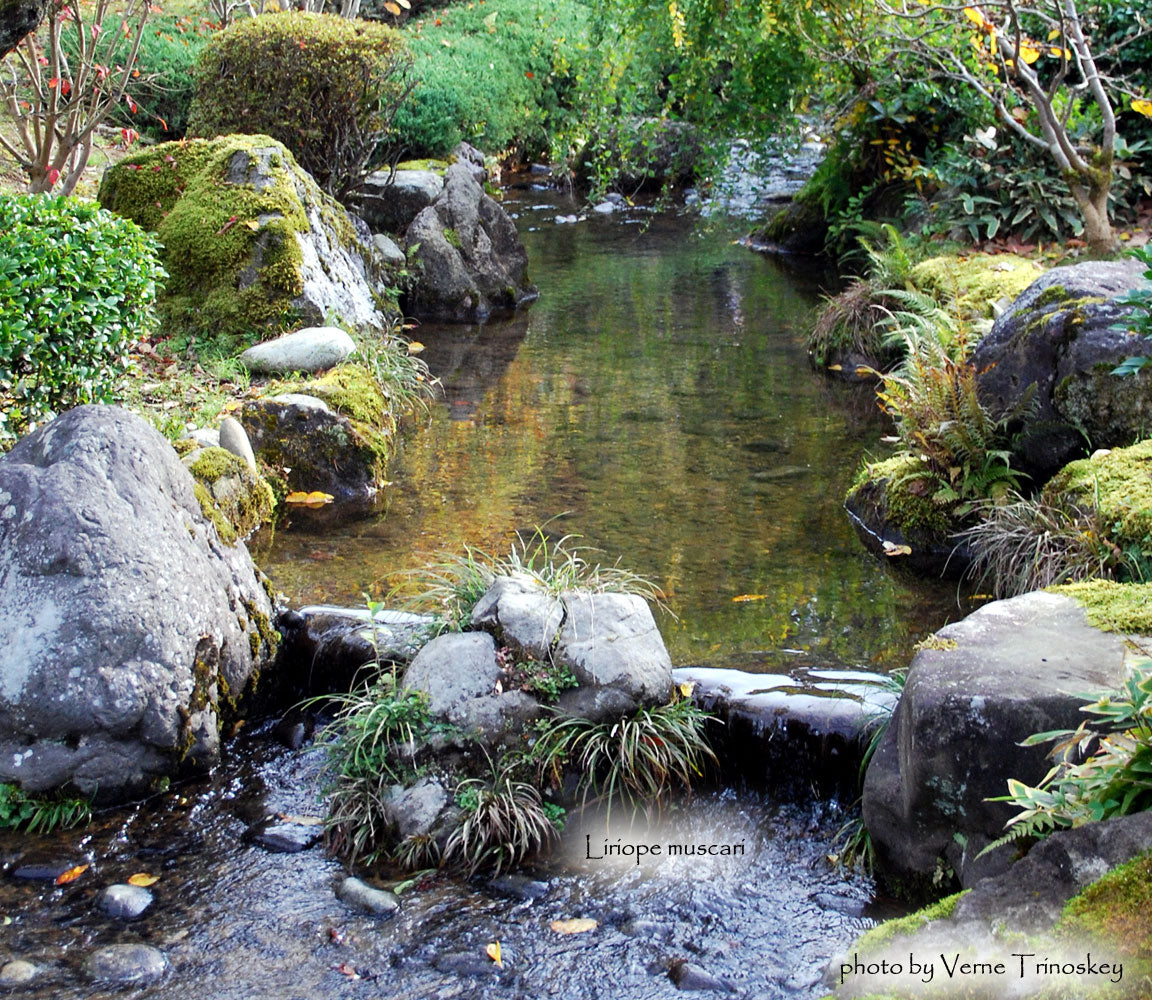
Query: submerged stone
{"type": "Point", "coordinates": [362, 896]}
{"type": "Point", "coordinates": [126, 963]}
{"type": "Point", "coordinates": [125, 902]}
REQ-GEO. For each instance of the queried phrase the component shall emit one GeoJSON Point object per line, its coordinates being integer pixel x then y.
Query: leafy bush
{"type": "Point", "coordinates": [496, 75]}
{"type": "Point", "coordinates": [77, 285]}
{"type": "Point", "coordinates": [327, 87]}
{"type": "Point", "coordinates": [1114, 779]}
{"type": "Point", "coordinates": [638, 758]}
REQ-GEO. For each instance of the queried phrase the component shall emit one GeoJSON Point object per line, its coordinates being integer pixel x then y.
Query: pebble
{"type": "Point", "coordinates": [126, 963]}
{"type": "Point", "coordinates": [604, 208]}
{"type": "Point", "coordinates": [234, 438]}
{"type": "Point", "coordinates": [363, 897]}
{"type": "Point", "coordinates": [42, 873]}
{"type": "Point", "coordinates": [125, 902]}
{"type": "Point", "coordinates": [18, 973]}
{"type": "Point", "coordinates": [687, 976]}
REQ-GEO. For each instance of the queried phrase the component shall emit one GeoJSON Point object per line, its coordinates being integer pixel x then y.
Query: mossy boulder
{"type": "Point", "coordinates": [1117, 486]}
{"type": "Point", "coordinates": [976, 284]}
{"type": "Point", "coordinates": [1058, 343]}
{"type": "Point", "coordinates": [231, 495]}
{"type": "Point", "coordinates": [306, 444]}
{"type": "Point", "coordinates": [251, 243]}
{"type": "Point", "coordinates": [893, 507]}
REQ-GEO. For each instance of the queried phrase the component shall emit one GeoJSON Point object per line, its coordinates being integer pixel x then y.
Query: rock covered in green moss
{"type": "Point", "coordinates": [251, 242]}
{"type": "Point", "coordinates": [232, 496]}
{"type": "Point", "coordinates": [309, 445]}
{"type": "Point", "coordinates": [893, 508]}
{"type": "Point", "coordinates": [1063, 336]}
{"type": "Point", "coordinates": [976, 283]}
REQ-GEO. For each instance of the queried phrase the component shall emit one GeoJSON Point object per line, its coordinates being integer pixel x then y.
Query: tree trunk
{"type": "Point", "coordinates": [1091, 194]}
{"type": "Point", "coordinates": [17, 19]}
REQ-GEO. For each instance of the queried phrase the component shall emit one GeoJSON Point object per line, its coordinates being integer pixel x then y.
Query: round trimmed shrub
{"type": "Point", "coordinates": [77, 285]}
{"type": "Point", "coordinates": [325, 86]}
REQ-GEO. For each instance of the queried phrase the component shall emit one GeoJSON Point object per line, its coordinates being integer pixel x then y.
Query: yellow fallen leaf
{"type": "Point", "coordinates": [687, 688]}
{"type": "Point", "coordinates": [1142, 107]}
{"type": "Point", "coordinates": [392, 8]}
{"type": "Point", "coordinates": [252, 224]}
{"type": "Point", "coordinates": [300, 820]}
{"type": "Point", "coordinates": [313, 499]}
{"type": "Point", "coordinates": [1029, 52]}
{"type": "Point", "coordinates": [892, 549]}
{"type": "Point", "coordinates": [415, 347]}
{"type": "Point", "coordinates": [975, 16]}
{"type": "Point", "coordinates": [71, 875]}
{"type": "Point", "coordinates": [749, 597]}
{"type": "Point", "coordinates": [493, 951]}
{"type": "Point", "coordinates": [835, 368]}
{"type": "Point", "coordinates": [143, 879]}
{"type": "Point", "coordinates": [579, 925]}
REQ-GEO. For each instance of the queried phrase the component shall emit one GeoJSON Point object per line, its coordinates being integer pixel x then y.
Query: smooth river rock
{"type": "Point", "coordinates": [125, 619]}
{"type": "Point", "coordinates": [126, 963]}
{"type": "Point", "coordinates": [17, 973]}
{"type": "Point", "coordinates": [363, 897]}
{"type": "Point", "coordinates": [313, 349]}
{"type": "Point", "coordinates": [125, 902]}
{"type": "Point", "coordinates": [1008, 670]}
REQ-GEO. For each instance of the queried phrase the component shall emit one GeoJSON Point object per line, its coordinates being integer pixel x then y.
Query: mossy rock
{"type": "Point", "coordinates": [1113, 912]}
{"type": "Point", "coordinates": [251, 244]}
{"type": "Point", "coordinates": [893, 507]}
{"type": "Point", "coordinates": [876, 937]}
{"type": "Point", "coordinates": [307, 445]}
{"type": "Point", "coordinates": [231, 495]}
{"type": "Point", "coordinates": [1124, 608]}
{"type": "Point", "coordinates": [975, 282]}
{"type": "Point", "coordinates": [352, 390]}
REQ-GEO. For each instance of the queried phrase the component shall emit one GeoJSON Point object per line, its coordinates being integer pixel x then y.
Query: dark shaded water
{"type": "Point", "coordinates": [658, 399]}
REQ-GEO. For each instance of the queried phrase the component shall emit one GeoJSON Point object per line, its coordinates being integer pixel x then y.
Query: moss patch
{"type": "Point", "coordinates": [873, 939]}
{"type": "Point", "coordinates": [907, 487]}
{"type": "Point", "coordinates": [228, 220]}
{"type": "Point", "coordinates": [231, 496]}
{"type": "Point", "coordinates": [974, 282]}
{"type": "Point", "coordinates": [1115, 908]}
{"type": "Point", "coordinates": [353, 391]}
{"type": "Point", "coordinates": [1125, 608]}
{"type": "Point", "coordinates": [435, 166]}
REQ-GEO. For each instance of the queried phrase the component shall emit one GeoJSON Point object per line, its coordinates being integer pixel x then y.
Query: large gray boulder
{"type": "Point", "coordinates": [391, 200]}
{"type": "Point", "coordinates": [129, 627]}
{"type": "Point", "coordinates": [1008, 670]}
{"type": "Point", "coordinates": [1064, 335]}
{"type": "Point", "coordinates": [519, 610]}
{"type": "Point", "coordinates": [470, 261]}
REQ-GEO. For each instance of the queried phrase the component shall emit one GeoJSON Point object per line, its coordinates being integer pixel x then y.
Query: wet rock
{"type": "Point", "coordinates": [313, 349]}
{"type": "Point", "coordinates": [124, 902]}
{"type": "Point", "coordinates": [465, 963]}
{"type": "Point", "coordinates": [362, 896]}
{"type": "Point", "coordinates": [326, 647]}
{"type": "Point", "coordinates": [650, 929]}
{"type": "Point", "coordinates": [232, 437]}
{"type": "Point", "coordinates": [17, 973]}
{"type": "Point", "coordinates": [521, 613]}
{"type": "Point", "coordinates": [390, 201]}
{"type": "Point", "coordinates": [291, 734]}
{"type": "Point", "coordinates": [125, 618]}
{"type": "Point", "coordinates": [43, 872]}
{"type": "Point", "coordinates": [1063, 336]}
{"type": "Point", "coordinates": [611, 640]}
{"type": "Point", "coordinates": [470, 260]}
{"type": "Point", "coordinates": [289, 838]}
{"type": "Point", "coordinates": [125, 963]}
{"type": "Point", "coordinates": [518, 887]}
{"type": "Point", "coordinates": [321, 449]}
{"type": "Point", "coordinates": [687, 976]}
{"type": "Point", "coordinates": [1018, 667]}
{"type": "Point", "coordinates": [791, 730]}
{"type": "Point", "coordinates": [417, 811]}
{"type": "Point", "coordinates": [604, 208]}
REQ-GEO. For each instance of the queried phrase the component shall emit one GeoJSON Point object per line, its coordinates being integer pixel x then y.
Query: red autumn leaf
{"type": "Point", "coordinates": [227, 225]}
{"type": "Point", "coordinates": [530, 75]}
{"type": "Point", "coordinates": [53, 177]}
{"type": "Point", "coordinates": [162, 122]}
{"type": "Point", "coordinates": [53, 82]}
{"type": "Point", "coordinates": [72, 874]}
{"type": "Point", "coordinates": [65, 87]}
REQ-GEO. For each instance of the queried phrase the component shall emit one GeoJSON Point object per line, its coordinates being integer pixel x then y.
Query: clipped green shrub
{"type": "Point", "coordinates": [77, 285]}
{"type": "Point", "coordinates": [497, 74]}
{"type": "Point", "coordinates": [325, 86]}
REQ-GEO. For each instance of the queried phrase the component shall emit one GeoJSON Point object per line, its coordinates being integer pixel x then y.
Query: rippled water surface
{"type": "Point", "coordinates": [655, 402]}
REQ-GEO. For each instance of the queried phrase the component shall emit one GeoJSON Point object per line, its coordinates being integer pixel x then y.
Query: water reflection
{"type": "Point", "coordinates": [657, 403]}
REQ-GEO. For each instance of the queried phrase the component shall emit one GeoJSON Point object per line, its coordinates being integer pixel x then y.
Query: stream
{"type": "Point", "coordinates": [655, 404]}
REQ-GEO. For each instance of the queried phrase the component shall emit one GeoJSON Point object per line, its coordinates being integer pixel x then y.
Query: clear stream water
{"type": "Point", "coordinates": [655, 402]}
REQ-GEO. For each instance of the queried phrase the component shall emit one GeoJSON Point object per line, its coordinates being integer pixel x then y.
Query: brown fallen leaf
{"type": "Point", "coordinates": [578, 925]}
{"type": "Point", "coordinates": [347, 970]}
{"type": "Point", "coordinates": [143, 879]}
{"type": "Point", "coordinates": [71, 875]}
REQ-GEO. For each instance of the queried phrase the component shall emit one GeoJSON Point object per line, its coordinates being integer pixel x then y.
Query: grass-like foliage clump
{"type": "Point", "coordinates": [452, 584]}
{"type": "Point", "coordinates": [639, 759]}
{"type": "Point", "coordinates": [39, 814]}
{"type": "Point", "coordinates": [77, 286]}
